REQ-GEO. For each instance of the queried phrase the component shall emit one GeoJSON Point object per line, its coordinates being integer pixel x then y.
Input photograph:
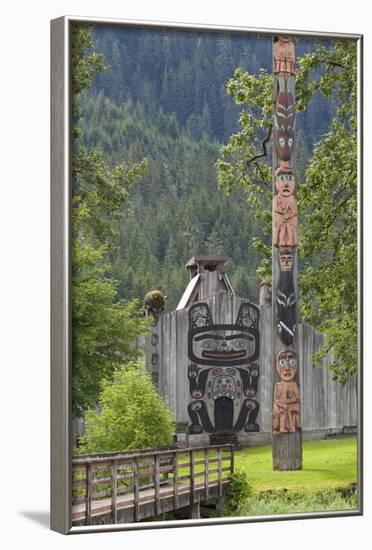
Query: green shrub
{"type": "Point", "coordinates": [237, 492]}
{"type": "Point", "coordinates": [131, 415]}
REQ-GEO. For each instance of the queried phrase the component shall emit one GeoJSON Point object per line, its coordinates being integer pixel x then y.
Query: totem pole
{"type": "Point", "coordinates": [287, 438]}
{"type": "Point", "coordinates": [154, 304]}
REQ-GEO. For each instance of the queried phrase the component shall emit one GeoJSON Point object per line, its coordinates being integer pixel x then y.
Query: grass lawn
{"type": "Point", "coordinates": [327, 464]}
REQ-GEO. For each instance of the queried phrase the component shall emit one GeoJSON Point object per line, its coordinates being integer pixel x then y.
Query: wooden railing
{"type": "Point", "coordinates": [124, 476]}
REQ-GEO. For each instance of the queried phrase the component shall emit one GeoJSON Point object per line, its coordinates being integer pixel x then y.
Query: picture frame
{"type": "Point", "coordinates": [61, 327]}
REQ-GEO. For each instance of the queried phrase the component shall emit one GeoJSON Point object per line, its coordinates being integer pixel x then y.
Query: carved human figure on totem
{"type": "Point", "coordinates": [286, 297]}
{"type": "Point", "coordinates": [285, 209]}
{"type": "Point", "coordinates": [286, 408]}
{"type": "Point", "coordinates": [284, 56]}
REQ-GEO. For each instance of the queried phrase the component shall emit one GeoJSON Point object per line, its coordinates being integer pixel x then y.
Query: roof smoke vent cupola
{"type": "Point", "coordinates": [207, 278]}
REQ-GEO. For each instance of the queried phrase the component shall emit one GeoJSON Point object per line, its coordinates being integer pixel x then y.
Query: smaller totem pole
{"type": "Point", "coordinates": [287, 440]}
{"type": "Point", "coordinates": [154, 304]}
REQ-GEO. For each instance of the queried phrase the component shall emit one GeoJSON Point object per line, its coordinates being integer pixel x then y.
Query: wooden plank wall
{"type": "Point", "coordinates": [326, 404]}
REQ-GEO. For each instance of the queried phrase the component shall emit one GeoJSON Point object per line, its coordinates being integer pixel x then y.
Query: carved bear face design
{"type": "Point", "coordinates": [223, 344]}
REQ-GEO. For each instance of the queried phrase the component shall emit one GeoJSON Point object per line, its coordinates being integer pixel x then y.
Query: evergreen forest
{"type": "Point", "coordinates": [163, 98]}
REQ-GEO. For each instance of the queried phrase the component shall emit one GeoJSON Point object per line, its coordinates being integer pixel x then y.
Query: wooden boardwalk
{"type": "Point", "coordinates": [133, 486]}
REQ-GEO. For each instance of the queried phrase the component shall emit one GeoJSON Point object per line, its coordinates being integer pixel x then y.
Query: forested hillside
{"type": "Point", "coordinates": [163, 97]}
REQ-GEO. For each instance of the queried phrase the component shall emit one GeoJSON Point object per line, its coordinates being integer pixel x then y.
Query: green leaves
{"type": "Point", "coordinates": [99, 192]}
{"type": "Point", "coordinates": [131, 414]}
{"type": "Point", "coordinates": [85, 62]}
{"type": "Point", "coordinates": [104, 328]}
{"type": "Point", "coordinates": [245, 160]}
{"type": "Point", "coordinates": [328, 203]}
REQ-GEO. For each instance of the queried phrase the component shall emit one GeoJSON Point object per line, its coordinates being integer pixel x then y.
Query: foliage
{"type": "Point", "coordinates": [327, 200]}
{"type": "Point", "coordinates": [329, 210]}
{"type": "Point", "coordinates": [181, 73]}
{"type": "Point", "coordinates": [132, 414]}
{"type": "Point", "coordinates": [104, 327]}
{"type": "Point", "coordinates": [238, 491]}
{"type": "Point", "coordinates": [177, 211]}
{"type": "Point", "coordinates": [289, 502]}
{"type": "Point", "coordinates": [155, 301]}
{"type": "Point", "coordinates": [85, 64]}
{"type": "Point", "coordinates": [241, 159]}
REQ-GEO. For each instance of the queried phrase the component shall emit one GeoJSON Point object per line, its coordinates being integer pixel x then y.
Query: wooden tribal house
{"type": "Point", "coordinates": [216, 358]}
{"type": "Point", "coordinates": [222, 352]}
{"type": "Point", "coordinates": [204, 356]}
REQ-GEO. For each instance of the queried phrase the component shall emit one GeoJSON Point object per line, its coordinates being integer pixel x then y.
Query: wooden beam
{"type": "Point", "coordinates": [219, 471]}
{"type": "Point", "coordinates": [157, 485]}
{"type": "Point", "coordinates": [88, 493]}
{"type": "Point", "coordinates": [192, 477]}
{"type": "Point", "coordinates": [175, 480]}
{"type": "Point", "coordinates": [114, 491]}
{"type": "Point", "coordinates": [136, 488]}
{"type": "Point", "coordinates": [206, 473]}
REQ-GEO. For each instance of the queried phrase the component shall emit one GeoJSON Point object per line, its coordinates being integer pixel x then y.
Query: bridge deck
{"type": "Point", "coordinates": [154, 483]}
{"type": "Point", "coordinates": [101, 511]}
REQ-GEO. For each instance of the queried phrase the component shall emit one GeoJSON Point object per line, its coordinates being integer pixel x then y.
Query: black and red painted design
{"type": "Point", "coordinates": [286, 296]}
{"type": "Point", "coordinates": [223, 375]}
{"type": "Point", "coordinates": [284, 118]}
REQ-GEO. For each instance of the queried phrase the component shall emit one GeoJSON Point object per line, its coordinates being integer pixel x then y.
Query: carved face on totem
{"type": "Point", "coordinates": [284, 182]}
{"type": "Point", "coordinates": [286, 256]}
{"type": "Point", "coordinates": [286, 365]}
{"type": "Point", "coordinates": [223, 344]}
{"type": "Point", "coordinates": [284, 125]}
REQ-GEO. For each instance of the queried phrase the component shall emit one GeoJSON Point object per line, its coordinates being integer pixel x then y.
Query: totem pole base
{"type": "Point", "coordinates": [287, 451]}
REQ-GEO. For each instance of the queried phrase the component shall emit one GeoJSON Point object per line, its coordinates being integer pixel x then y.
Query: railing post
{"type": "Point", "coordinates": [157, 485]}
{"type": "Point", "coordinates": [136, 488]}
{"type": "Point", "coordinates": [192, 476]}
{"type": "Point", "coordinates": [232, 456]}
{"type": "Point", "coordinates": [88, 493]}
{"type": "Point", "coordinates": [114, 491]}
{"type": "Point", "coordinates": [219, 471]}
{"type": "Point", "coordinates": [206, 473]}
{"type": "Point", "coordinates": [175, 479]}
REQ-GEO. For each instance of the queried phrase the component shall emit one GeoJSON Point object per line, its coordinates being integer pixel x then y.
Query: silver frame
{"type": "Point", "coordinates": [61, 274]}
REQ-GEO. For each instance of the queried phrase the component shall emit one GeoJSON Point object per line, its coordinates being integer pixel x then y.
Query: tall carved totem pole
{"type": "Point", "coordinates": [287, 438]}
